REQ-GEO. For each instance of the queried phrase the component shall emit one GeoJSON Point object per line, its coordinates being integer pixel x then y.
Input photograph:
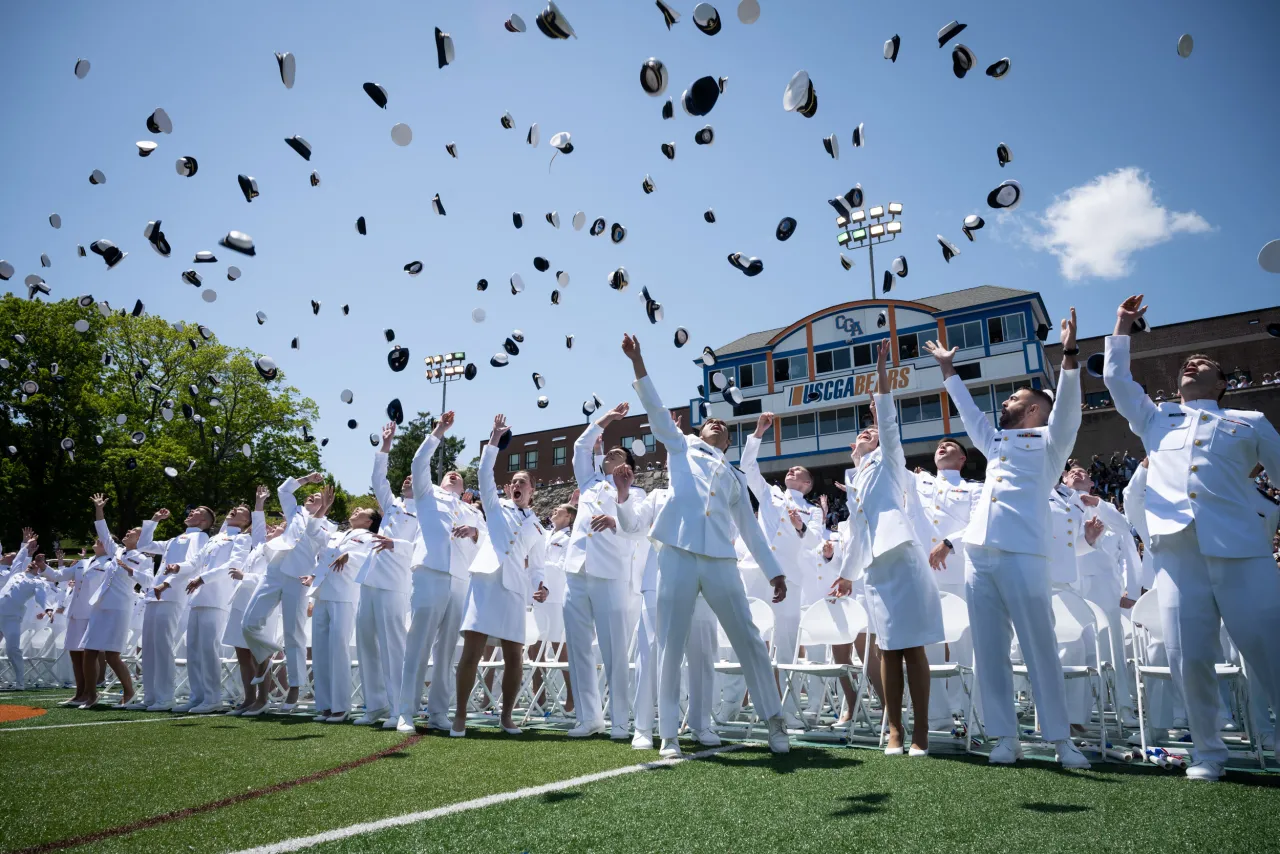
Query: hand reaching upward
{"type": "Point", "coordinates": [499, 427]}
{"type": "Point", "coordinates": [1129, 313]}
{"type": "Point", "coordinates": [943, 357]}
{"type": "Point", "coordinates": [444, 425]}
{"type": "Point", "coordinates": [388, 433]}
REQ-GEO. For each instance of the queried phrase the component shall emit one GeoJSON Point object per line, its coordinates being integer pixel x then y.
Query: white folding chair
{"type": "Point", "coordinates": [762, 619]}
{"type": "Point", "coordinates": [830, 622]}
{"type": "Point", "coordinates": [1107, 668]}
{"type": "Point", "coordinates": [955, 622]}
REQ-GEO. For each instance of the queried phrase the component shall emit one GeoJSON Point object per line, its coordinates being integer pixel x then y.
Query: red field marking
{"type": "Point", "coordinates": [8, 714]}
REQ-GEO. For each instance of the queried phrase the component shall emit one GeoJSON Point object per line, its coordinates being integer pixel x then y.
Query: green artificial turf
{"type": "Point", "coordinates": [76, 781]}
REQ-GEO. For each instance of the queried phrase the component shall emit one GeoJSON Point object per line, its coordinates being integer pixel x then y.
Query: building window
{"type": "Point", "coordinates": [969, 371]}
{"type": "Point", "coordinates": [558, 454]}
{"type": "Point", "coordinates": [625, 443]}
{"type": "Point", "coordinates": [649, 443]}
{"type": "Point", "coordinates": [531, 460]}
{"type": "Point", "coordinates": [863, 355]}
{"type": "Point", "coordinates": [917, 409]}
{"type": "Point", "coordinates": [843, 420]}
{"type": "Point", "coordinates": [791, 368]}
{"type": "Point", "coordinates": [1097, 398]}
{"type": "Point", "coordinates": [965, 335]}
{"type": "Point", "coordinates": [1010, 327]}
{"type": "Point", "coordinates": [909, 346]}
{"type": "Point", "coordinates": [513, 462]}
{"type": "Point", "coordinates": [829, 361]}
{"type": "Point", "coordinates": [752, 375]}
{"type": "Point", "coordinates": [798, 427]}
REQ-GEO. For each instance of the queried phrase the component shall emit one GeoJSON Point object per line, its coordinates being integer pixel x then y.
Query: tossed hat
{"type": "Point", "coordinates": [668, 110]}
{"type": "Point", "coordinates": [541, 264]}
{"type": "Point", "coordinates": [949, 249]}
{"type": "Point", "coordinates": [538, 380]}
{"type": "Point", "coordinates": [1003, 154]}
{"type": "Point", "coordinates": [401, 134]}
{"type": "Point", "coordinates": [97, 176]}
{"type": "Point", "coordinates": [859, 136]}
{"type": "Point", "coordinates": [498, 360]}
{"type": "Point", "coordinates": [517, 219]}
{"type": "Point", "coordinates": [507, 121]}
{"type": "Point", "coordinates": [949, 31]}
{"type": "Point", "coordinates": [55, 220]}
{"type": "Point", "coordinates": [299, 145]}
{"type": "Point", "coordinates": [288, 67]}
{"type": "Point", "coordinates": [248, 186]}
{"type": "Point", "coordinates": [44, 260]}
{"type": "Point", "coordinates": [701, 97]}
{"type": "Point", "coordinates": [110, 253]}
{"type": "Point", "coordinates": [962, 59]}
{"type": "Point", "coordinates": [482, 285]}
{"type": "Point", "coordinates": [1185, 45]}
{"type": "Point", "coordinates": [261, 316]}
{"type": "Point", "coordinates": [82, 68]}
{"type": "Point", "coordinates": [652, 307]}
{"type": "Point", "coordinates": [705, 135]}
{"type": "Point", "coordinates": [1269, 256]}
{"type": "Point", "coordinates": [209, 295]}
{"type": "Point", "coordinates": [647, 185]}
{"type": "Point", "coordinates": [553, 219]}
{"type": "Point", "coordinates": [159, 121]}
{"type": "Point", "coordinates": [315, 307]}
{"type": "Point", "coordinates": [532, 137]}
{"type": "Point", "coordinates": [891, 48]}
{"type": "Point", "coordinates": [514, 24]}
{"type": "Point", "coordinates": [352, 424]}
{"type": "Point", "coordinates": [999, 68]}
{"type": "Point", "coordinates": [786, 228]}
{"type": "Point", "coordinates": [899, 266]}
{"type": "Point", "coordinates": [554, 24]}
{"type": "Point", "coordinates": [346, 396]}
{"type": "Point", "coordinates": [1094, 365]}
{"type": "Point", "coordinates": [709, 215]}
{"type": "Point", "coordinates": [832, 145]}
{"type": "Point", "coordinates": [619, 279]}
{"type": "Point", "coordinates": [617, 232]}
{"type": "Point", "coordinates": [517, 284]}
{"type": "Point", "coordinates": [478, 315]}
{"type": "Point", "coordinates": [669, 150]}
{"type": "Point", "coordinates": [452, 148]}
{"type": "Point", "coordinates": [470, 371]}
{"type": "Point", "coordinates": [706, 18]}
{"type": "Point", "coordinates": [361, 226]}
{"type": "Point", "coordinates": [654, 77]}
{"type": "Point", "coordinates": [568, 342]}
{"type": "Point", "coordinates": [579, 220]}
{"type": "Point", "coordinates": [972, 223]}
{"type": "Point", "coordinates": [238, 241]}
{"type": "Point", "coordinates": [845, 262]}
{"type": "Point", "coordinates": [748, 266]}
{"type": "Point", "coordinates": [398, 358]}
{"type": "Point", "coordinates": [681, 336]}
{"type": "Point", "coordinates": [748, 11]}
{"type": "Point", "coordinates": [185, 166]}
{"type": "Point", "coordinates": [413, 268]}
{"type": "Point", "coordinates": [204, 256]}
{"type": "Point", "coordinates": [6, 271]}
{"type": "Point", "coordinates": [1008, 195]}
{"type": "Point", "coordinates": [800, 96]}
{"type": "Point", "coordinates": [377, 93]}
{"type": "Point", "coordinates": [36, 285]}
{"type": "Point", "coordinates": [145, 147]}
{"type": "Point", "coordinates": [708, 357]}
{"type": "Point", "coordinates": [887, 284]}
{"type": "Point", "coordinates": [315, 178]}
{"type": "Point", "coordinates": [266, 367]}
{"type": "Point", "coordinates": [437, 205]}
{"type": "Point", "coordinates": [444, 48]}
{"type": "Point", "coordinates": [669, 15]}
{"type": "Point", "coordinates": [598, 227]}
{"type": "Point", "coordinates": [882, 320]}
{"type": "Point", "coordinates": [732, 395]}
{"type": "Point", "coordinates": [543, 402]}
{"type": "Point", "coordinates": [562, 278]}
{"type": "Point", "coordinates": [1042, 332]}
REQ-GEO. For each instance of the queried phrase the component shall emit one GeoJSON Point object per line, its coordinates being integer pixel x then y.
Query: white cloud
{"type": "Point", "coordinates": [1094, 228]}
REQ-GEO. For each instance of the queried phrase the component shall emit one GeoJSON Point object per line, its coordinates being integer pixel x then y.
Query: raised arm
{"type": "Point", "coordinates": [1130, 400]}
{"type": "Point", "coordinates": [100, 525]}
{"type": "Point", "coordinates": [146, 540]}
{"type": "Point", "coordinates": [1065, 416]}
{"type": "Point", "coordinates": [382, 489]}
{"type": "Point", "coordinates": [258, 518]}
{"type": "Point", "coordinates": [584, 467]}
{"type": "Point", "coordinates": [660, 421]}
{"type": "Point", "coordinates": [489, 496]}
{"type": "Point", "coordinates": [887, 413]}
{"type": "Point", "coordinates": [976, 423]}
{"type": "Point", "coordinates": [421, 465]}
{"type": "Point", "coordinates": [750, 462]}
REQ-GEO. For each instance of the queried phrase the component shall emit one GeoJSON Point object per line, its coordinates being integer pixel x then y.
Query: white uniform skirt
{"type": "Point", "coordinates": [108, 630]}
{"type": "Point", "coordinates": [902, 599]}
{"type": "Point", "coordinates": [76, 630]}
{"type": "Point", "coordinates": [550, 619]}
{"type": "Point", "coordinates": [493, 609]}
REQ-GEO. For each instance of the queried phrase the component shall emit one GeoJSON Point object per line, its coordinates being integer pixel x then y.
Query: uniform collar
{"type": "Point", "coordinates": [194, 531]}
{"type": "Point", "coordinates": [232, 531]}
{"type": "Point", "coordinates": [950, 475]}
{"type": "Point", "coordinates": [1203, 405]}
{"type": "Point", "coordinates": [798, 497]}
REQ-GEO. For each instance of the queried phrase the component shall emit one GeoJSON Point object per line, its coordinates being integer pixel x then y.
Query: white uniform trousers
{"type": "Point", "coordinates": [11, 628]}
{"type": "Point", "coordinates": [1196, 591]}
{"type": "Point", "coordinates": [943, 704]}
{"type": "Point", "coordinates": [1104, 591]}
{"type": "Point", "coordinates": [291, 596]}
{"type": "Point", "coordinates": [682, 575]}
{"type": "Point", "coordinates": [380, 643]}
{"type": "Point", "coordinates": [159, 633]}
{"type": "Point", "coordinates": [332, 624]}
{"type": "Point", "coordinates": [1003, 588]}
{"type": "Point", "coordinates": [439, 601]}
{"type": "Point", "coordinates": [204, 659]}
{"type": "Point", "coordinates": [700, 653]}
{"type": "Point", "coordinates": [598, 606]}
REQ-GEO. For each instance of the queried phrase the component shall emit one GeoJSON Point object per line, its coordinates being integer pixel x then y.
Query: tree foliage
{"type": "Point", "coordinates": [128, 375]}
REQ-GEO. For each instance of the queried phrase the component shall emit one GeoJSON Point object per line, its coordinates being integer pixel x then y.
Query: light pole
{"type": "Point", "coordinates": [443, 369]}
{"type": "Point", "coordinates": [856, 233]}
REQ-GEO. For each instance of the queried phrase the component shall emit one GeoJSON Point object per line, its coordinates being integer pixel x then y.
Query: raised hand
{"type": "Point", "coordinates": [444, 424]}
{"type": "Point", "coordinates": [499, 427]}
{"type": "Point", "coordinates": [1093, 529]}
{"type": "Point", "coordinates": [619, 411]}
{"type": "Point", "coordinates": [1069, 340]}
{"type": "Point", "coordinates": [822, 502]}
{"type": "Point", "coordinates": [943, 356]}
{"type": "Point", "coordinates": [763, 423]}
{"type": "Point", "coordinates": [388, 433]}
{"type": "Point", "coordinates": [828, 550]}
{"type": "Point", "coordinates": [679, 420]}
{"type": "Point", "coordinates": [630, 346]}
{"type": "Point", "coordinates": [260, 498]}
{"type": "Point", "coordinates": [882, 368]}
{"type": "Point", "coordinates": [314, 477]}
{"type": "Point", "coordinates": [340, 563]}
{"type": "Point", "coordinates": [326, 498]}
{"type": "Point", "coordinates": [797, 521]}
{"type": "Point", "coordinates": [1129, 313]}
{"type": "Point", "coordinates": [160, 515]}
{"type": "Point", "coordinates": [623, 477]}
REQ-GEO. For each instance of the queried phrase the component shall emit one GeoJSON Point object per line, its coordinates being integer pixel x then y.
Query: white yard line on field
{"type": "Point", "coordinates": [302, 842]}
{"type": "Point", "coordinates": [100, 723]}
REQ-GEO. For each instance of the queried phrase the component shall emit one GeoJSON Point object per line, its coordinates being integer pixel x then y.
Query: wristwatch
{"type": "Point", "coordinates": [947, 543]}
{"type": "Point", "coordinates": [1074, 351]}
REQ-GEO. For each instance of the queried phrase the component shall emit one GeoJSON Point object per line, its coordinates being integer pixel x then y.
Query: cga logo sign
{"type": "Point", "coordinates": [848, 388]}
{"type": "Point", "coordinates": [848, 325]}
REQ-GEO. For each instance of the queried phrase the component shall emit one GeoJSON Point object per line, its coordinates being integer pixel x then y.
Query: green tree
{"type": "Point", "coordinates": [409, 438]}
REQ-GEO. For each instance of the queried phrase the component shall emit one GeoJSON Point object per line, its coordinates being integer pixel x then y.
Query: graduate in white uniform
{"type": "Point", "coordinates": [386, 585]}
{"type": "Point", "coordinates": [505, 577]}
{"type": "Point", "coordinates": [884, 549]}
{"type": "Point", "coordinates": [168, 599]}
{"type": "Point", "coordinates": [333, 620]}
{"type": "Point", "coordinates": [1209, 566]}
{"type": "Point", "coordinates": [25, 583]}
{"type": "Point", "coordinates": [87, 575]}
{"type": "Point", "coordinates": [245, 580]}
{"type": "Point", "coordinates": [947, 500]}
{"type": "Point", "coordinates": [210, 591]}
{"type": "Point", "coordinates": [111, 607]}
{"type": "Point", "coordinates": [449, 535]}
{"type": "Point", "coordinates": [549, 615]}
{"type": "Point", "coordinates": [710, 503]}
{"type": "Point", "coordinates": [830, 557]}
{"type": "Point", "coordinates": [793, 528]}
{"type": "Point", "coordinates": [1005, 546]}
{"type": "Point", "coordinates": [598, 571]}
{"type": "Point", "coordinates": [290, 556]}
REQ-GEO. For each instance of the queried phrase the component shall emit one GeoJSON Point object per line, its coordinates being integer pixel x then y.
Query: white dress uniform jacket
{"type": "Point", "coordinates": [228, 549]}
{"type": "Point", "coordinates": [331, 585]}
{"type": "Point", "coordinates": [125, 568]}
{"type": "Point", "coordinates": [1067, 544]}
{"type": "Point", "coordinates": [601, 554]}
{"type": "Point", "coordinates": [389, 569]}
{"type": "Point", "coordinates": [791, 546]}
{"type": "Point", "coordinates": [1022, 467]}
{"type": "Point", "coordinates": [1200, 457]}
{"type": "Point", "coordinates": [947, 501]}
{"type": "Point", "coordinates": [183, 550]}
{"type": "Point", "coordinates": [515, 547]}
{"type": "Point", "coordinates": [557, 549]}
{"type": "Point", "coordinates": [1135, 510]}
{"type": "Point", "coordinates": [438, 512]}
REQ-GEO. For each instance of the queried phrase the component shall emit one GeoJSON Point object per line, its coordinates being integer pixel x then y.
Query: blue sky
{"type": "Point", "coordinates": [1173, 161]}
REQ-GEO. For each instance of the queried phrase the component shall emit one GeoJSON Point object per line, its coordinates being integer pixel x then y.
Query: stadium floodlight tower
{"type": "Point", "coordinates": [443, 369]}
{"type": "Point", "coordinates": [866, 228]}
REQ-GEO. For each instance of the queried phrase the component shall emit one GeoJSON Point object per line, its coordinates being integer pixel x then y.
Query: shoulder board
{"type": "Point", "coordinates": [1028, 435]}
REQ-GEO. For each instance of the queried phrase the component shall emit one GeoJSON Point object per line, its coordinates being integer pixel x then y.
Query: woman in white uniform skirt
{"type": "Point", "coordinates": [246, 578]}
{"type": "Point", "coordinates": [111, 605]}
{"type": "Point", "coordinates": [507, 570]}
{"type": "Point", "coordinates": [903, 605]}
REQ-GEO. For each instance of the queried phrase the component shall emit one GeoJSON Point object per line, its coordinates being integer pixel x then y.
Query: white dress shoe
{"type": "Point", "coordinates": [205, 708]}
{"type": "Point", "coordinates": [893, 751]}
{"type": "Point", "coordinates": [371, 717]}
{"type": "Point", "coordinates": [793, 722]}
{"type": "Point", "coordinates": [184, 708]}
{"type": "Point", "coordinates": [670, 748]}
{"type": "Point", "coordinates": [404, 725]}
{"type": "Point", "coordinates": [320, 718]}
{"type": "Point", "coordinates": [1007, 751]}
{"type": "Point", "coordinates": [392, 723]}
{"type": "Point", "coordinates": [642, 741]}
{"type": "Point", "coordinates": [619, 733]}
{"type": "Point", "coordinates": [253, 713]}
{"type": "Point", "coordinates": [1069, 756]}
{"type": "Point", "coordinates": [915, 751]}
{"type": "Point", "coordinates": [137, 706]}
{"type": "Point", "coordinates": [66, 704]}
{"type": "Point", "coordinates": [587, 729]}
{"type": "Point", "coordinates": [286, 708]}
{"type": "Point", "coordinates": [336, 718]}
{"type": "Point", "coordinates": [707, 737]}
{"type": "Point", "coordinates": [455, 733]}
{"type": "Point", "coordinates": [512, 730]}
{"type": "Point", "coordinates": [236, 712]}
{"type": "Point", "coordinates": [1209, 772]}
{"type": "Point", "coordinates": [440, 722]}
{"type": "Point", "coordinates": [778, 740]}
